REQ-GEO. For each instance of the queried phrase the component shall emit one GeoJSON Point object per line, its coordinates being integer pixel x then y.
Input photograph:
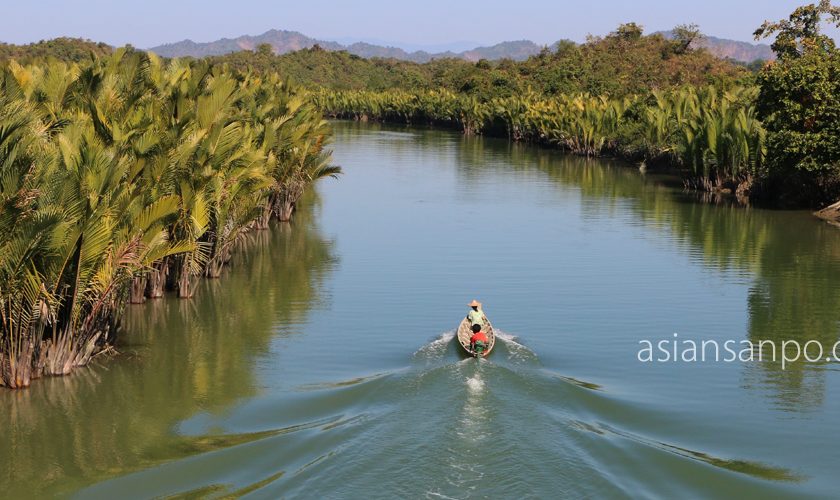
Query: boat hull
{"type": "Point", "coordinates": [464, 334]}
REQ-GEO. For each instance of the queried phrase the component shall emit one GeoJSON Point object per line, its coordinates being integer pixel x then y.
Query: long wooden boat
{"type": "Point", "coordinates": [464, 334]}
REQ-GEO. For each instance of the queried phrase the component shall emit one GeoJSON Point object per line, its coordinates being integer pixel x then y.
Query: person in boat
{"type": "Point", "coordinates": [479, 341]}
{"type": "Point", "coordinates": [476, 315]}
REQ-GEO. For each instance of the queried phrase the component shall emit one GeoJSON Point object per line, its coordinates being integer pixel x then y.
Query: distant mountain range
{"type": "Point", "coordinates": [739, 51]}
{"type": "Point", "coordinates": [288, 41]}
{"type": "Point", "coordinates": [732, 49]}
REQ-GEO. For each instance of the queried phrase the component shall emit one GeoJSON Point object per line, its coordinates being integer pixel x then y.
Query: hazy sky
{"type": "Point", "coordinates": [428, 22]}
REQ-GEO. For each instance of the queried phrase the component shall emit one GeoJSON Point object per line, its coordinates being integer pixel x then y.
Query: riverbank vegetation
{"type": "Point", "coordinates": [125, 176]}
{"type": "Point", "coordinates": [712, 134]}
{"type": "Point", "coordinates": [770, 136]}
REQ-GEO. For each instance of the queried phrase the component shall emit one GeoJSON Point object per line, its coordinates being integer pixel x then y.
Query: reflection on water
{"type": "Point", "coordinates": [178, 357]}
{"type": "Point", "coordinates": [792, 259]}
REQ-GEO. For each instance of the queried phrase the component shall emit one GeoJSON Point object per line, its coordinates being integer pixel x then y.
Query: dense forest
{"type": "Point", "coordinates": [63, 49]}
{"type": "Point", "coordinates": [769, 137]}
{"type": "Point", "coordinates": [622, 63]}
{"type": "Point", "coordinates": [765, 132]}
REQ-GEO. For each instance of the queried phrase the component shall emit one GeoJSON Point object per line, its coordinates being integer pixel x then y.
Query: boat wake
{"type": "Point", "coordinates": [444, 347]}
{"type": "Point", "coordinates": [515, 350]}
{"type": "Point", "coordinates": [437, 348]}
{"type": "Point", "coordinates": [475, 385]}
{"type": "Point", "coordinates": [442, 427]}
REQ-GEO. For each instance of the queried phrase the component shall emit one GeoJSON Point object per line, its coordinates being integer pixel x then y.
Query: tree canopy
{"type": "Point", "coordinates": [799, 99]}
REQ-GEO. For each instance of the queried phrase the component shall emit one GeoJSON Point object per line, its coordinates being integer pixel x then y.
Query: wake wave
{"type": "Point", "coordinates": [475, 385]}
{"type": "Point", "coordinates": [507, 345]}
{"type": "Point", "coordinates": [442, 427]}
{"type": "Point", "coordinates": [516, 351]}
{"type": "Point", "coordinates": [436, 349]}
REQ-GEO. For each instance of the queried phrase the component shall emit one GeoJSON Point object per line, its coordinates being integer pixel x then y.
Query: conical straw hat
{"type": "Point", "coordinates": [474, 303]}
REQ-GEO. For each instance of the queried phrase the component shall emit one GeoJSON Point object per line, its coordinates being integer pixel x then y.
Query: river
{"type": "Point", "coordinates": [322, 363]}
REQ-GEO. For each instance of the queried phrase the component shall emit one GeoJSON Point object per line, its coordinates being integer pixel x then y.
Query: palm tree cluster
{"type": "Point", "coordinates": [715, 134]}
{"type": "Point", "coordinates": [126, 176]}
{"type": "Point", "coordinates": [711, 133]}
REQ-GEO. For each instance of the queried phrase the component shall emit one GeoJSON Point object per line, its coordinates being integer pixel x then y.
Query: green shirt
{"type": "Point", "coordinates": [476, 317]}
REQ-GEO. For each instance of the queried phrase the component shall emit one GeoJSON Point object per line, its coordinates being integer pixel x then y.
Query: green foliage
{"type": "Point", "coordinates": [713, 133]}
{"type": "Point", "coordinates": [799, 101]}
{"type": "Point", "coordinates": [684, 36]}
{"type": "Point", "coordinates": [623, 63]}
{"type": "Point", "coordinates": [630, 32]}
{"type": "Point", "coordinates": [126, 166]}
{"type": "Point", "coordinates": [264, 49]}
{"type": "Point", "coordinates": [716, 134]}
{"type": "Point", "coordinates": [63, 49]}
{"type": "Point", "coordinates": [800, 106]}
{"type": "Point", "coordinates": [800, 33]}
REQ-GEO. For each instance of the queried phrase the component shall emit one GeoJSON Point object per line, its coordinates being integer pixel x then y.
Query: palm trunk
{"type": "Point", "coordinates": [285, 209]}
{"type": "Point", "coordinates": [214, 267]}
{"type": "Point", "coordinates": [261, 223]}
{"type": "Point", "coordinates": [138, 290]}
{"type": "Point", "coordinates": [16, 366]}
{"type": "Point", "coordinates": [22, 342]}
{"type": "Point", "coordinates": [185, 289]}
{"type": "Point", "coordinates": [64, 352]}
{"type": "Point", "coordinates": [57, 354]}
{"type": "Point", "coordinates": [285, 201]}
{"type": "Point", "coordinates": [156, 281]}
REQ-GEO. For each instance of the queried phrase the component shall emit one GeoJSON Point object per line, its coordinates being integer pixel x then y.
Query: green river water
{"type": "Point", "coordinates": [322, 364]}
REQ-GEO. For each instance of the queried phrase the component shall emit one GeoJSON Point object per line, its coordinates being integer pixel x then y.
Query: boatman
{"type": "Point", "coordinates": [479, 341]}
{"type": "Point", "coordinates": [476, 315]}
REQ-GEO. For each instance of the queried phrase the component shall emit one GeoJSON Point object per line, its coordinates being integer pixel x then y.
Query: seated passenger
{"type": "Point", "coordinates": [479, 341]}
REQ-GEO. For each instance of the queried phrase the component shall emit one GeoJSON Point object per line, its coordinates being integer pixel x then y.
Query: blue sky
{"type": "Point", "coordinates": [413, 23]}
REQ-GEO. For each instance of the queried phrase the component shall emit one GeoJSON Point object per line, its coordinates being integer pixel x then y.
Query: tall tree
{"type": "Point", "coordinates": [799, 102]}
{"type": "Point", "coordinates": [684, 36]}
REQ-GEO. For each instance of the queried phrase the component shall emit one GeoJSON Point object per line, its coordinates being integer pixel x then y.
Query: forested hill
{"type": "Point", "coordinates": [283, 42]}
{"type": "Point", "coordinates": [622, 63]}
{"type": "Point", "coordinates": [65, 49]}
